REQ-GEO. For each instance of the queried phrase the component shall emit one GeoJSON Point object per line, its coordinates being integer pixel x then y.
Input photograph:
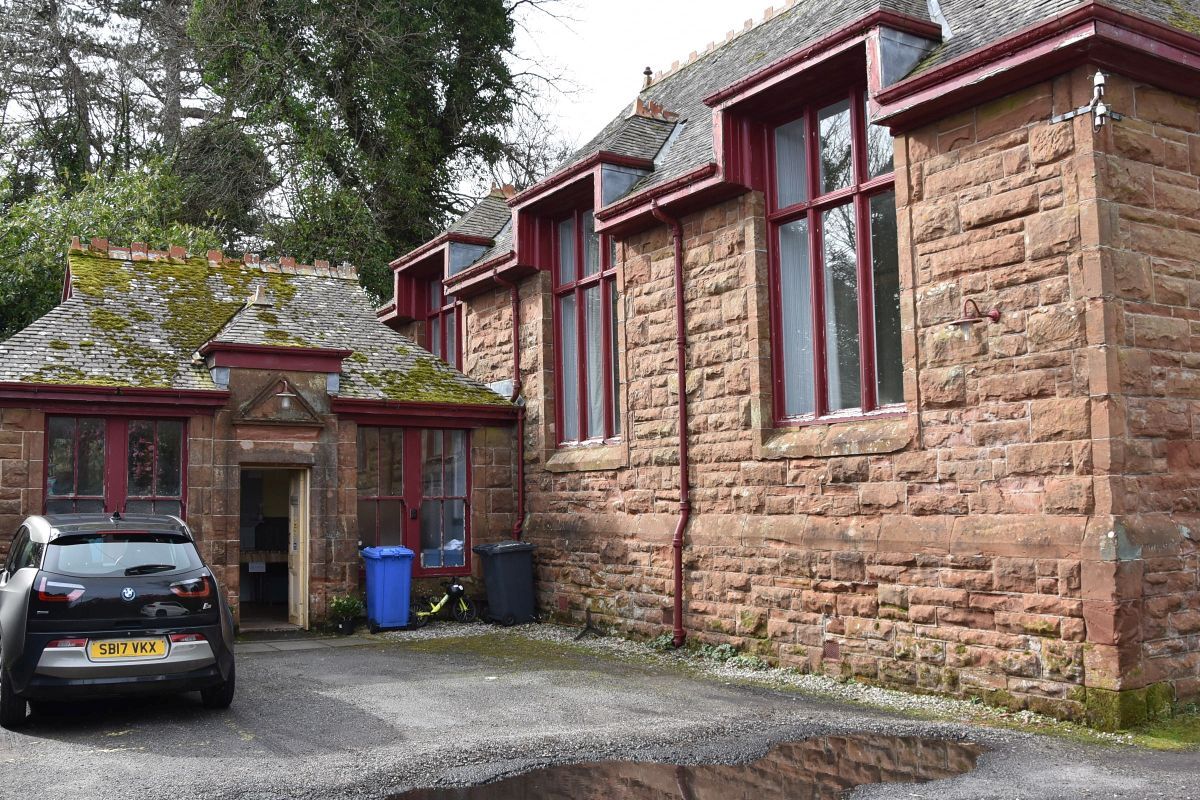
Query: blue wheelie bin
{"type": "Point", "coordinates": [389, 580]}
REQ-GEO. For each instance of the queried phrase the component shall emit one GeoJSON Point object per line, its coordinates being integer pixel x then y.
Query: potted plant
{"type": "Point", "coordinates": [344, 610]}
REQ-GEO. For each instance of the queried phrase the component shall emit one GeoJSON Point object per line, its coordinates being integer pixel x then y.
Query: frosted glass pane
{"type": "Point", "coordinates": [60, 475]}
{"type": "Point", "coordinates": [594, 339]}
{"type": "Point", "coordinates": [454, 533]}
{"type": "Point", "coordinates": [566, 250]}
{"type": "Point", "coordinates": [797, 326]}
{"type": "Point", "coordinates": [791, 164]}
{"type": "Point", "coordinates": [91, 456]}
{"type": "Point", "coordinates": [451, 353]}
{"type": "Point", "coordinates": [170, 458]}
{"type": "Point", "coordinates": [391, 477]}
{"type": "Point", "coordinates": [841, 307]}
{"type": "Point", "coordinates": [435, 336]}
{"type": "Point", "coordinates": [431, 533]}
{"type": "Point", "coordinates": [368, 461]}
{"type": "Point", "coordinates": [431, 463]}
{"type": "Point", "coordinates": [569, 349]}
{"type": "Point", "coordinates": [885, 274]}
{"type": "Point", "coordinates": [833, 133]}
{"type": "Point", "coordinates": [391, 523]}
{"type": "Point", "coordinates": [141, 459]}
{"type": "Point", "coordinates": [456, 464]}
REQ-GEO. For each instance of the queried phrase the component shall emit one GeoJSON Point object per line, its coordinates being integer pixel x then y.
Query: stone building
{"type": "Point", "coordinates": [934, 307]}
{"type": "Point", "coordinates": [266, 405]}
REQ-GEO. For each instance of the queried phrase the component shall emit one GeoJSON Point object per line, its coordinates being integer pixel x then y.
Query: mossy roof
{"type": "Point", "coordinates": [141, 324]}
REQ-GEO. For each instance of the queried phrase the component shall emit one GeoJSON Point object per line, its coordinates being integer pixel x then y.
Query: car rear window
{"type": "Point", "coordinates": [120, 554]}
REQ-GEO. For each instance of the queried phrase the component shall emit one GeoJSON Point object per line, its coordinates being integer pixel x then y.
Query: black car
{"type": "Point", "coordinates": [93, 605]}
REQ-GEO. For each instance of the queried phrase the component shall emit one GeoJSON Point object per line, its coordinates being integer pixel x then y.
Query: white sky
{"type": "Point", "coordinates": [605, 44]}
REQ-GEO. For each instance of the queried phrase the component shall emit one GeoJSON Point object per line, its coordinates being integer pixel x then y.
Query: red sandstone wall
{"type": "Point", "coordinates": [955, 549]}
{"type": "Point", "coordinates": [1149, 174]}
{"type": "Point", "coordinates": [22, 441]}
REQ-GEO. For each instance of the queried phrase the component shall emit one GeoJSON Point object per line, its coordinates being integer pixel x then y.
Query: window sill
{"type": "Point", "coordinates": [861, 436]}
{"type": "Point", "coordinates": [588, 458]}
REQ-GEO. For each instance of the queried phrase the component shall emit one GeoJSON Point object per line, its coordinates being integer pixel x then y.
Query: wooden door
{"type": "Point", "coordinates": [298, 536]}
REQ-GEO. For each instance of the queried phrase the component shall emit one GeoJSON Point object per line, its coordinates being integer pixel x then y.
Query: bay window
{"type": "Point", "coordinates": [585, 304]}
{"type": "Point", "coordinates": [834, 265]}
{"type": "Point", "coordinates": [444, 325]}
{"type": "Point", "coordinates": [98, 464]}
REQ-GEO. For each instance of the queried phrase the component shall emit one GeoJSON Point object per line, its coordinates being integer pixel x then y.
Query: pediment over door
{"type": "Point", "coordinates": [279, 402]}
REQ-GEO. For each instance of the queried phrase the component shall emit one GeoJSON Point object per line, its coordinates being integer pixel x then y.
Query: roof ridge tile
{"type": "Point", "coordinates": [140, 251]}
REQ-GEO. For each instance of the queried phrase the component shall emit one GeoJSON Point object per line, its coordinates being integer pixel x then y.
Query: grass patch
{"type": "Point", "coordinates": [1180, 732]}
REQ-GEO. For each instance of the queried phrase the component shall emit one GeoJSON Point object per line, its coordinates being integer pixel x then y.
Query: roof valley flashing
{"type": "Point", "coordinates": [146, 321]}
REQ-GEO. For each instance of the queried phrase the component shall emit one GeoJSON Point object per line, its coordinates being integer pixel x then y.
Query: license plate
{"type": "Point", "coordinates": [127, 648]}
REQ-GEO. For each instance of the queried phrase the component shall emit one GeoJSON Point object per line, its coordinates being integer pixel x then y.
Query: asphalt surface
{"type": "Point", "coordinates": [375, 720]}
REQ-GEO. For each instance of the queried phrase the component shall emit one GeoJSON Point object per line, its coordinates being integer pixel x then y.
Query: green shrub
{"type": "Point", "coordinates": [345, 606]}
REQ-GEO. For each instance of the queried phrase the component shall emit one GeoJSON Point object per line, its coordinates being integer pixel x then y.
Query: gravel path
{"type": "Point", "coordinates": [463, 704]}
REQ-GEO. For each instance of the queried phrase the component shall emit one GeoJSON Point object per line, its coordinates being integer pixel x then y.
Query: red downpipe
{"type": "Point", "coordinates": [515, 298]}
{"type": "Point", "coordinates": [685, 503]}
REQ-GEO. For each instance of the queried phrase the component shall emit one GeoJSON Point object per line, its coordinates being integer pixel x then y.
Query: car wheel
{"type": "Point", "coordinates": [221, 695]}
{"type": "Point", "coordinates": [12, 707]}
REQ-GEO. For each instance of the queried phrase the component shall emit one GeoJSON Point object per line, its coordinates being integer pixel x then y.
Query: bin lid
{"type": "Point", "coordinates": [500, 548]}
{"type": "Point", "coordinates": [387, 552]}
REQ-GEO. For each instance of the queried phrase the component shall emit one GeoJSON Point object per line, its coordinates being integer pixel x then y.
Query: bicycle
{"type": "Point", "coordinates": [461, 608]}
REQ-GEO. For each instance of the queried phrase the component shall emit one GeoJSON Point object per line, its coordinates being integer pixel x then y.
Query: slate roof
{"type": "Point", "coordinates": [973, 24]}
{"type": "Point", "coordinates": [141, 324]}
{"type": "Point", "coordinates": [484, 219]}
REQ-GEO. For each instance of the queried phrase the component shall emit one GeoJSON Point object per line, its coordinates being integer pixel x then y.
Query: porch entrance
{"type": "Point", "coordinates": [273, 573]}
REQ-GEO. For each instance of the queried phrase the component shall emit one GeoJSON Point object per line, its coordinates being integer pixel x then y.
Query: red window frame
{"type": "Point", "coordinates": [861, 190]}
{"type": "Point", "coordinates": [445, 310]}
{"type": "Point", "coordinates": [412, 496]}
{"type": "Point", "coordinates": [154, 497]}
{"type": "Point", "coordinates": [441, 498]}
{"type": "Point", "coordinates": [116, 462]}
{"type": "Point", "coordinates": [606, 278]}
{"type": "Point", "coordinates": [74, 498]}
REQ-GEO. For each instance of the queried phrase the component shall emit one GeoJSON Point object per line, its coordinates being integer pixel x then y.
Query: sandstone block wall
{"type": "Point", "coordinates": [969, 546]}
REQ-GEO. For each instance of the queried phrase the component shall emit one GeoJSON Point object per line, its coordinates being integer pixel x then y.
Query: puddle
{"type": "Point", "coordinates": [812, 769]}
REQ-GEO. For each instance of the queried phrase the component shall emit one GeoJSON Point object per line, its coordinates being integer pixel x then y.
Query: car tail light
{"type": "Point", "coordinates": [57, 643]}
{"type": "Point", "coordinates": [49, 591]}
{"type": "Point", "coordinates": [183, 638]}
{"type": "Point", "coordinates": [196, 587]}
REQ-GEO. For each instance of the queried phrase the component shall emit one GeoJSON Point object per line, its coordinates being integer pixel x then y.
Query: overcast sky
{"type": "Point", "coordinates": [606, 44]}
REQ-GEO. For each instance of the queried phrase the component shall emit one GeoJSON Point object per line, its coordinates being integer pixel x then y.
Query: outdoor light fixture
{"type": "Point", "coordinates": [285, 396]}
{"type": "Point", "coordinates": [968, 319]}
{"type": "Point", "coordinates": [1098, 107]}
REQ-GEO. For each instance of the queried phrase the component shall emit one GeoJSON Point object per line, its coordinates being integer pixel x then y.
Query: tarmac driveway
{"type": "Point", "coordinates": [378, 718]}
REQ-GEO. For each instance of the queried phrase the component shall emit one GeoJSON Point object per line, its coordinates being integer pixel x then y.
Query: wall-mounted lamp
{"type": "Point", "coordinates": [971, 315]}
{"type": "Point", "coordinates": [1097, 106]}
{"type": "Point", "coordinates": [285, 396]}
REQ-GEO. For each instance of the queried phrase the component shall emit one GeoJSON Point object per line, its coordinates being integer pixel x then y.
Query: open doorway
{"type": "Point", "coordinates": [273, 521]}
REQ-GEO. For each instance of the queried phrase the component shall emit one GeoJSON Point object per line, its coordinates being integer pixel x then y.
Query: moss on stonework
{"type": "Point", "coordinates": [1110, 710]}
{"type": "Point", "coordinates": [87, 343]}
{"type": "Point", "coordinates": [268, 317]}
{"type": "Point", "coordinates": [59, 344]}
{"type": "Point", "coordinates": [359, 358]}
{"type": "Point", "coordinates": [1183, 18]}
{"type": "Point", "coordinates": [429, 381]}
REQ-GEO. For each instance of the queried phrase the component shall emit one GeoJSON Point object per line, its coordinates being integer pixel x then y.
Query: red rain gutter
{"type": "Point", "coordinates": [515, 297]}
{"type": "Point", "coordinates": [112, 399]}
{"type": "Point", "coordinates": [685, 503]}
